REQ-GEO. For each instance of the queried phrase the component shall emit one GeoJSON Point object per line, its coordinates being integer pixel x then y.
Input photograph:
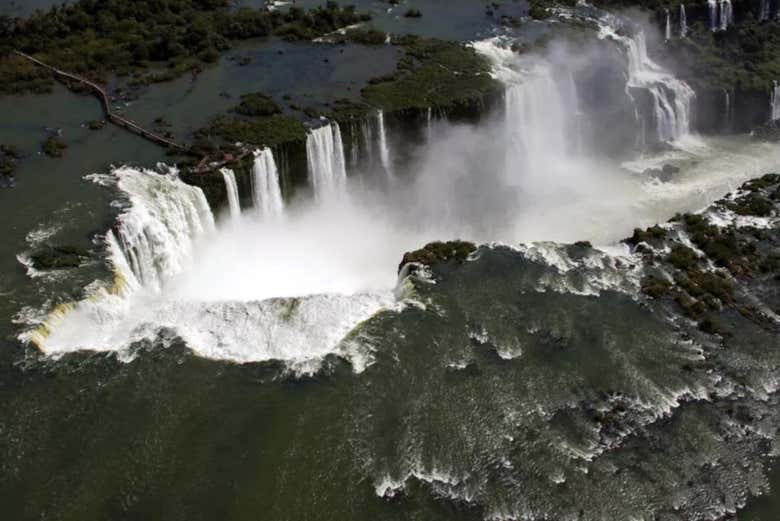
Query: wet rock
{"type": "Point", "coordinates": [54, 147]}
{"type": "Point", "coordinates": [436, 252]}
{"type": "Point", "coordinates": [664, 174]}
{"type": "Point", "coordinates": [58, 257]}
{"type": "Point", "coordinates": [9, 157]}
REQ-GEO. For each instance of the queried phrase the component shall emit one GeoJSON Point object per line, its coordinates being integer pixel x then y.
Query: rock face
{"type": "Point", "coordinates": [437, 252]}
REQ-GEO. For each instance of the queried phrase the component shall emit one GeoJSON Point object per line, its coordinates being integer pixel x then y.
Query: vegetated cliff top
{"type": "Point", "coordinates": [151, 40]}
{"type": "Point", "coordinates": [745, 57]}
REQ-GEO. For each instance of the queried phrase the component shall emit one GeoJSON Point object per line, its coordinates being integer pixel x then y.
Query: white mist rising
{"type": "Point", "coordinates": [292, 279]}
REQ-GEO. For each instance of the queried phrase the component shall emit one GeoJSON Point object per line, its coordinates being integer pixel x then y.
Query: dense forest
{"type": "Point", "coordinates": [150, 40]}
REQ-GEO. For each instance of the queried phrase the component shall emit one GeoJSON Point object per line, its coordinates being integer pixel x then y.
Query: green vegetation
{"type": "Point", "coordinates": [150, 41]}
{"type": "Point", "coordinates": [58, 257]}
{"type": "Point", "coordinates": [738, 253]}
{"type": "Point", "coordinates": [266, 131]}
{"type": "Point", "coordinates": [8, 159]}
{"type": "Point", "coordinates": [655, 287]}
{"type": "Point", "coordinates": [362, 37]}
{"type": "Point", "coordinates": [54, 147]}
{"type": "Point", "coordinates": [682, 257]}
{"type": "Point", "coordinates": [436, 252]}
{"type": "Point", "coordinates": [650, 236]}
{"type": "Point", "coordinates": [257, 105]}
{"type": "Point", "coordinates": [746, 57]}
{"type": "Point", "coordinates": [433, 73]}
{"type": "Point", "coordinates": [348, 110]}
{"type": "Point", "coordinates": [538, 9]}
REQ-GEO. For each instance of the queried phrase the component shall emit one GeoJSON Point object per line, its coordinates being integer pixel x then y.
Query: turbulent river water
{"type": "Point", "coordinates": [223, 363]}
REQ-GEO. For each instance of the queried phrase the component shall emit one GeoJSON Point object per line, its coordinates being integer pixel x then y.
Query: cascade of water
{"type": "Point", "coordinates": [712, 6]}
{"type": "Point", "coordinates": [539, 109]}
{"type": "Point", "coordinates": [157, 232]}
{"type": "Point", "coordinates": [683, 22]}
{"type": "Point", "coordinates": [368, 139]}
{"type": "Point", "coordinates": [763, 11]}
{"type": "Point", "coordinates": [430, 123]}
{"type": "Point", "coordinates": [325, 155]}
{"type": "Point", "coordinates": [727, 113]}
{"type": "Point", "coordinates": [537, 122]}
{"type": "Point", "coordinates": [384, 151]}
{"type": "Point", "coordinates": [726, 14]}
{"type": "Point", "coordinates": [668, 30]}
{"type": "Point", "coordinates": [265, 185]}
{"type": "Point", "coordinates": [775, 101]}
{"type": "Point", "coordinates": [354, 152]}
{"type": "Point", "coordinates": [671, 97]}
{"type": "Point", "coordinates": [232, 192]}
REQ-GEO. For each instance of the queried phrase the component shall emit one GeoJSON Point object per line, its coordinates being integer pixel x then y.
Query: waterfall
{"type": "Point", "coordinates": [157, 232]}
{"type": "Point", "coordinates": [727, 114]}
{"type": "Point", "coordinates": [726, 14]}
{"type": "Point", "coordinates": [354, 152]}
{"type": "Point", "coordinates": [537, 121]}
{"type": "Point", "coordinates": [325, 155]}
{"type": "Point", "coordinates": [668, 32]}
{"type": "Point", "coordinates": [384, 151]}
{"type": "Point", "coordinates": [683, 22]}
{"type": "Point", "coordinates": [775, 101]}
{"type": "Point", "coordinates": [539, 107]}
{"type": "Point", "coordinates": [430, 123]}
{"type": "Point", "coordinates": [368, 139]}
{"type": "Point", "coordinates": [671, 97]}
{"type": "Point", "coordinates": [712, 5]}
{"type": "Point", "coordinates": [232, 192]}
{"type": "Point", "coordinates": [265, 185]}
{"type": "Point", "coordinates": [765, 10]}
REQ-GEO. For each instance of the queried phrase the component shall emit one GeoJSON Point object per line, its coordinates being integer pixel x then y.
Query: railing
{"type": "Point", "coordinates": [128, 124]}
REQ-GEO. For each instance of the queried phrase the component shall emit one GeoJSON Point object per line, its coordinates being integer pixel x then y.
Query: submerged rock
{"type": "Point", "coordinates": [664, 174]}
{"type": "Point", "coordinates": [58, 257]}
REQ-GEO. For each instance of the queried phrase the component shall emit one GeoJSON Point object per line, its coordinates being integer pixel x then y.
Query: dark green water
{"type": "Point", "coordinates": [476, 402]}
{"type": "Point", "coordinates": [309, 74]}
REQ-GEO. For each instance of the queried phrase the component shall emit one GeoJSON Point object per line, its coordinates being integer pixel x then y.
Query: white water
{"type": "Point", "coordinates": [726, 14]}
{"type": "Point", "coordinates": [672, 98]}
{"type": "Point", "coordinates": [325, 155]}
{"type": "Point", "coordinates": [384, 150]}
{"type": "Point", "coordinates": [296, 289]}
{"type": "Point", "coordinates": [764, 10]}
{"type": "Point", "coordinates": [727, 108]}
{"type": "Point", "coordinates": [774, 102]}
{"type": "Point", "coordinates": [232, 192]}
{"type": "Point", "coordinates": [214, 289]}
{"type": "Point", "coordinates": [712, 5]}
{"type": "Point", "coordinates": [683, 22]}
{"type": "Point", "coordinates": [668, 31]}
{"type": "Point", "coordinates": [157, 233]}
{"type": "Point", "coordinates": [265, 185]}
{"type": "Point", "coordinates": [537, 119]}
